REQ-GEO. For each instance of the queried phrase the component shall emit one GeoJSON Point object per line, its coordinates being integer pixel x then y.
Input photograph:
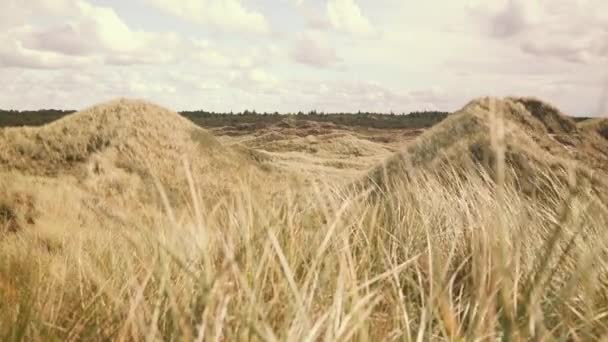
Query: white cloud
{"type": "Point", "coordinates": [88, 34]}
{"type": "Point", "coordinates": [512, 18]}
{"type": "Point", "coordinates": [14, 54]}
{"type": "Point", "coordinates": [311, 49]}
{"type": "Point", "coordinates": [106, 29]}
{"type": "Point", "coordinates": [228, 15]}
{"type": "Point", "coordinates": [431, 54]}
{"type": "Point", "coordinates": [352, 96]}
{"type": "Point", "coordinates": [569, 30]}
{"type": "Point", "coordinates": [145, 87]}
{"type": "Point", "coordinates": [577, 53]}
{"type": "Point", "coordinates": [254, 81]}
{"type": "Point", "coordinates": [18, 12]}
{"type": "Point", "coordinates": [224, 56]}
{"type": "Point", "coordinates": [346, 15]}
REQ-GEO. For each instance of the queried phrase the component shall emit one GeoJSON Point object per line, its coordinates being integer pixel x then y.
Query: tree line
{"type": "Point", "coordinates": [417, 119]}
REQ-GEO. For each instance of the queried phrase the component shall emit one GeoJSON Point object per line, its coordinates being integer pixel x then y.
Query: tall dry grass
{"type": "Point", "coordinates": [424, 261]}
{"type": "Point", "coordinates": [453, 251]}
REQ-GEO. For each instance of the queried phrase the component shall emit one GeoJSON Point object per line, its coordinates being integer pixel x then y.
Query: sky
{"type": "Point", "coordinates": [292, 55]}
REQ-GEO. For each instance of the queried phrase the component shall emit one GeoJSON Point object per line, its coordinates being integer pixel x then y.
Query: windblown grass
{"type": "Point", "coordinates": [412, 260]}
{"type": "Point", "coordinates": [430, 263]}
{"type": "Point", "coordinates": [597, 125]}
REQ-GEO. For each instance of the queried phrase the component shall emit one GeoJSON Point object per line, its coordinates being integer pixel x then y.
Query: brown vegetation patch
{"type": "Point", "coordinates": [598, 125]}
{"type": "Point", "coordinates": [17, 209]}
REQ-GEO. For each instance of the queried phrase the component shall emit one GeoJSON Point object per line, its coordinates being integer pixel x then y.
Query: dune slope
{"type": "Point", "coordinates": [117, 155]}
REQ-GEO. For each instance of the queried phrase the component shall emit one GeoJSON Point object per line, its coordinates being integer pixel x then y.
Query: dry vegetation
{"type": "Point", "coordinates": [128, 222]}
{"type": "Point", "coordinates": [599, 125]}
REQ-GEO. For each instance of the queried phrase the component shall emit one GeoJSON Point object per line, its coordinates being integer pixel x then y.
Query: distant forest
{"type": "Point", "coordinates": [419, 119]}
{"type": "Point", "coordinates": [12, 118]}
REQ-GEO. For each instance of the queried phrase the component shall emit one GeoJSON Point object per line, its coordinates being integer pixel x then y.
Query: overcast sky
{"type": "Point", "coordinates": [289, 55]}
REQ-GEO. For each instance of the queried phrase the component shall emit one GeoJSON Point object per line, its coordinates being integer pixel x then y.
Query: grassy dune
{"type": "Point", "coordinates": [599, 125]}
{"type": "Point", "coordinates": [489, 225]}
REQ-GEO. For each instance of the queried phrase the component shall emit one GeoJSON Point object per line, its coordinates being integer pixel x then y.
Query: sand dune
{"type": "Point", "coordinates": [599, 126]}
{"type": "Point", "coordinates": [131, 135]}
{"type": "Point", "coordinates": [520, 151]}
{"type": "Point", "coordinates": [116, 154]}
{"type": "Point", "coordinates": [532, 137]}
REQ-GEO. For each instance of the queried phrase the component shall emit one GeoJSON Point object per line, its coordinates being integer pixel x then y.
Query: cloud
{"type": "Point", "coordinates": [88, 34]}
{"type": "Point", "coordinates": [352, 96]}
{"type": "Point", "coordinates": [346, 16]}
{"type": "Point", "coordinates": [255, 81]}
{"type": "Point", "coordinates": [14, 54]}
{"type": "Point", "coordinates": [73, 52]}
{"type": "Point", "coordinates": [18, 12]}
{"type": "Point", "coordinates": [506, 18]}
{"type": "Point", "coordinates": [314, 14]}
{"type": "Point", "coordinates": [572, 53]}
{"type": "Point", "coordinates": [571, 31]}
{"type": "Point", "coordinates": [227, 15]}
{"type": "Point", "coordinates": [310, 49]}
{"type": "Point", "coordinates": [29, 89]}
{"type": "Point", "coordinates": [582, 48]}
{"type": "Point", "coordinates": [208, 53]}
